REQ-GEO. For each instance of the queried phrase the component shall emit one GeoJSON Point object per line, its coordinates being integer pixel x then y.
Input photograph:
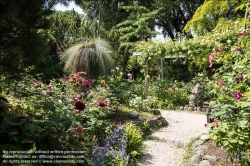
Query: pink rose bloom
{"type": "Point", "coordinates": [211, 58]}
{"type": "Point", "coordinates": [36, 82]}
{"type": "Point", "coordinates": [219, 81]}
{"type": "Point", "coordinates": [238, 95]}
{"type": "Point", "coordinates": [130, 76]}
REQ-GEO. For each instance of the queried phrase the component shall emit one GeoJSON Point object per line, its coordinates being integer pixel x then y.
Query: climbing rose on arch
{"type": "Point", "coordinates": [211, 58]}
{"type": "Point", "coordinates": [219, 81]}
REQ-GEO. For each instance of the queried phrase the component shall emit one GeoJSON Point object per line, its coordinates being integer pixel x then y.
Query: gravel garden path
{"type": "Point", "coordinates": [168, 146]}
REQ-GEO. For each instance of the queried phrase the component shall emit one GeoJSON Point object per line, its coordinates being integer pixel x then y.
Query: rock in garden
{"type": "Point", "coordinates": [210, 158]}
{"type": "Point", "coordinates": [204, 137]}
{"type": "Point", "coordinates": [190, 108]}
{"type": "Point", "coordinates": [199, 109]}
{"type": "Point", "coordinates": [181, 108]}
{"type": "Point", "coordinates": [197, 89]}
{"type": "Point", "coordinates": [177, 107]}
{"type": "Point", "coordinates": [195, 159]}
{"type": "Point", "coordinates": [155, 112]}
{"type": "Point", "coordinates": [157, 121]}
{"type": "Point", "coordinates": [196, 144]}
{"type": "Point", "coordinates": [203, 110]}
{"type": "Point", "coordinates": [134, 115]}
{"type": "Point", "coordinates": [193, 98]}
{"type": "Point", "coordinates": [208, 110]}
{"type": "Point", "coordinates": [186, 108]}
{"type": "Point", "coordinates": [204, 163]}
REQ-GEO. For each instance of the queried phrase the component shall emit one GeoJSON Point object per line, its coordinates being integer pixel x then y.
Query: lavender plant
{"type": "Point", "coordinates": [113, 151]}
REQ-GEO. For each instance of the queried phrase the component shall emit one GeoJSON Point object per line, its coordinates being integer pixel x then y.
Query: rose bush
{"type": "Point", "coordinates": [60, 114]}
{"type": "Point", "coordinates": [232, 100]}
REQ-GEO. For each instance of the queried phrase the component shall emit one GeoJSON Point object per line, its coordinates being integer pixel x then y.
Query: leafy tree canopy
{"type": "Point", "coordinates": [138, 26]}
{"type": "Point", "coordinates": [23, 42]}
{"type": "Point", "coordinates": [173, 15]}
{"type": "Point", "coordinates": [212, 12]}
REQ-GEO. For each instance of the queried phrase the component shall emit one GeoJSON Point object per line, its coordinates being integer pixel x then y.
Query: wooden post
{"type": "Point", "coordinates": [161, 69]}
{"type": "Point", "coordinates": [246, 15]}
{"type": "Point", "coordinates": [146, 80]}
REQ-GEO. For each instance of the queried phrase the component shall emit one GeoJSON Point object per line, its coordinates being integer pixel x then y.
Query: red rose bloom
{"type": "Point", "coordinates": [101, 104]}
{"type": "Point", "coordinates": [85, 83]}
{"type": "Point", "coordinates": [47, 82]}
{"type": "Point", "coordinates": [241, 35]}
{"type": "Point", "coordinates": [79, 105]}
{"type": "Point", "coordinates": [80, 129]}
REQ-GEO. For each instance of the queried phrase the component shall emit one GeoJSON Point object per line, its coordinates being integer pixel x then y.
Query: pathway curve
{"type": "Point", "coordinates": [169, 149]}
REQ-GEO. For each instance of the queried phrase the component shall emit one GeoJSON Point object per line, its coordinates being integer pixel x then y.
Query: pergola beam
{"type": "Point", "coordinates": [146, 71]}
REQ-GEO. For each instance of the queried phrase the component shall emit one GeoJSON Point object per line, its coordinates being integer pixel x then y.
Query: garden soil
{"type": "Point", "coordinates": [168, 146]}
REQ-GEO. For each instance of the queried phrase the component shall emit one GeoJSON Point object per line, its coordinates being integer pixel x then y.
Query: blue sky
{"type": "Point", "coordinates": [70, 7]}
{"type": "Point", "coordinates": [79, 10]}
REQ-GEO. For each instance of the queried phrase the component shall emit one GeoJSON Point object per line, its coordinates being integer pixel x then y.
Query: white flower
{"type": "Point", "coordinates": [44, 92]}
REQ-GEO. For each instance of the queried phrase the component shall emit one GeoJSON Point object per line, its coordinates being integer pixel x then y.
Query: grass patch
{"type": "Point", "coordinates": [179, 145]}
{"type": "Point", "coordinates": [153, 138]}
{"type": "Point", "coordinates": [189, 153]}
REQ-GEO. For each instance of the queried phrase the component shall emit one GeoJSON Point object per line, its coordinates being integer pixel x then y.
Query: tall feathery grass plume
{"type": "Point", "coordinates": [94, 57]}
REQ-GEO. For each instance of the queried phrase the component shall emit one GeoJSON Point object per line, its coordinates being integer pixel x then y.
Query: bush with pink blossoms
{"type": "Point", "coordinates": [56, 114]}
{"type": "Point", "coordinates": [231, 101]}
